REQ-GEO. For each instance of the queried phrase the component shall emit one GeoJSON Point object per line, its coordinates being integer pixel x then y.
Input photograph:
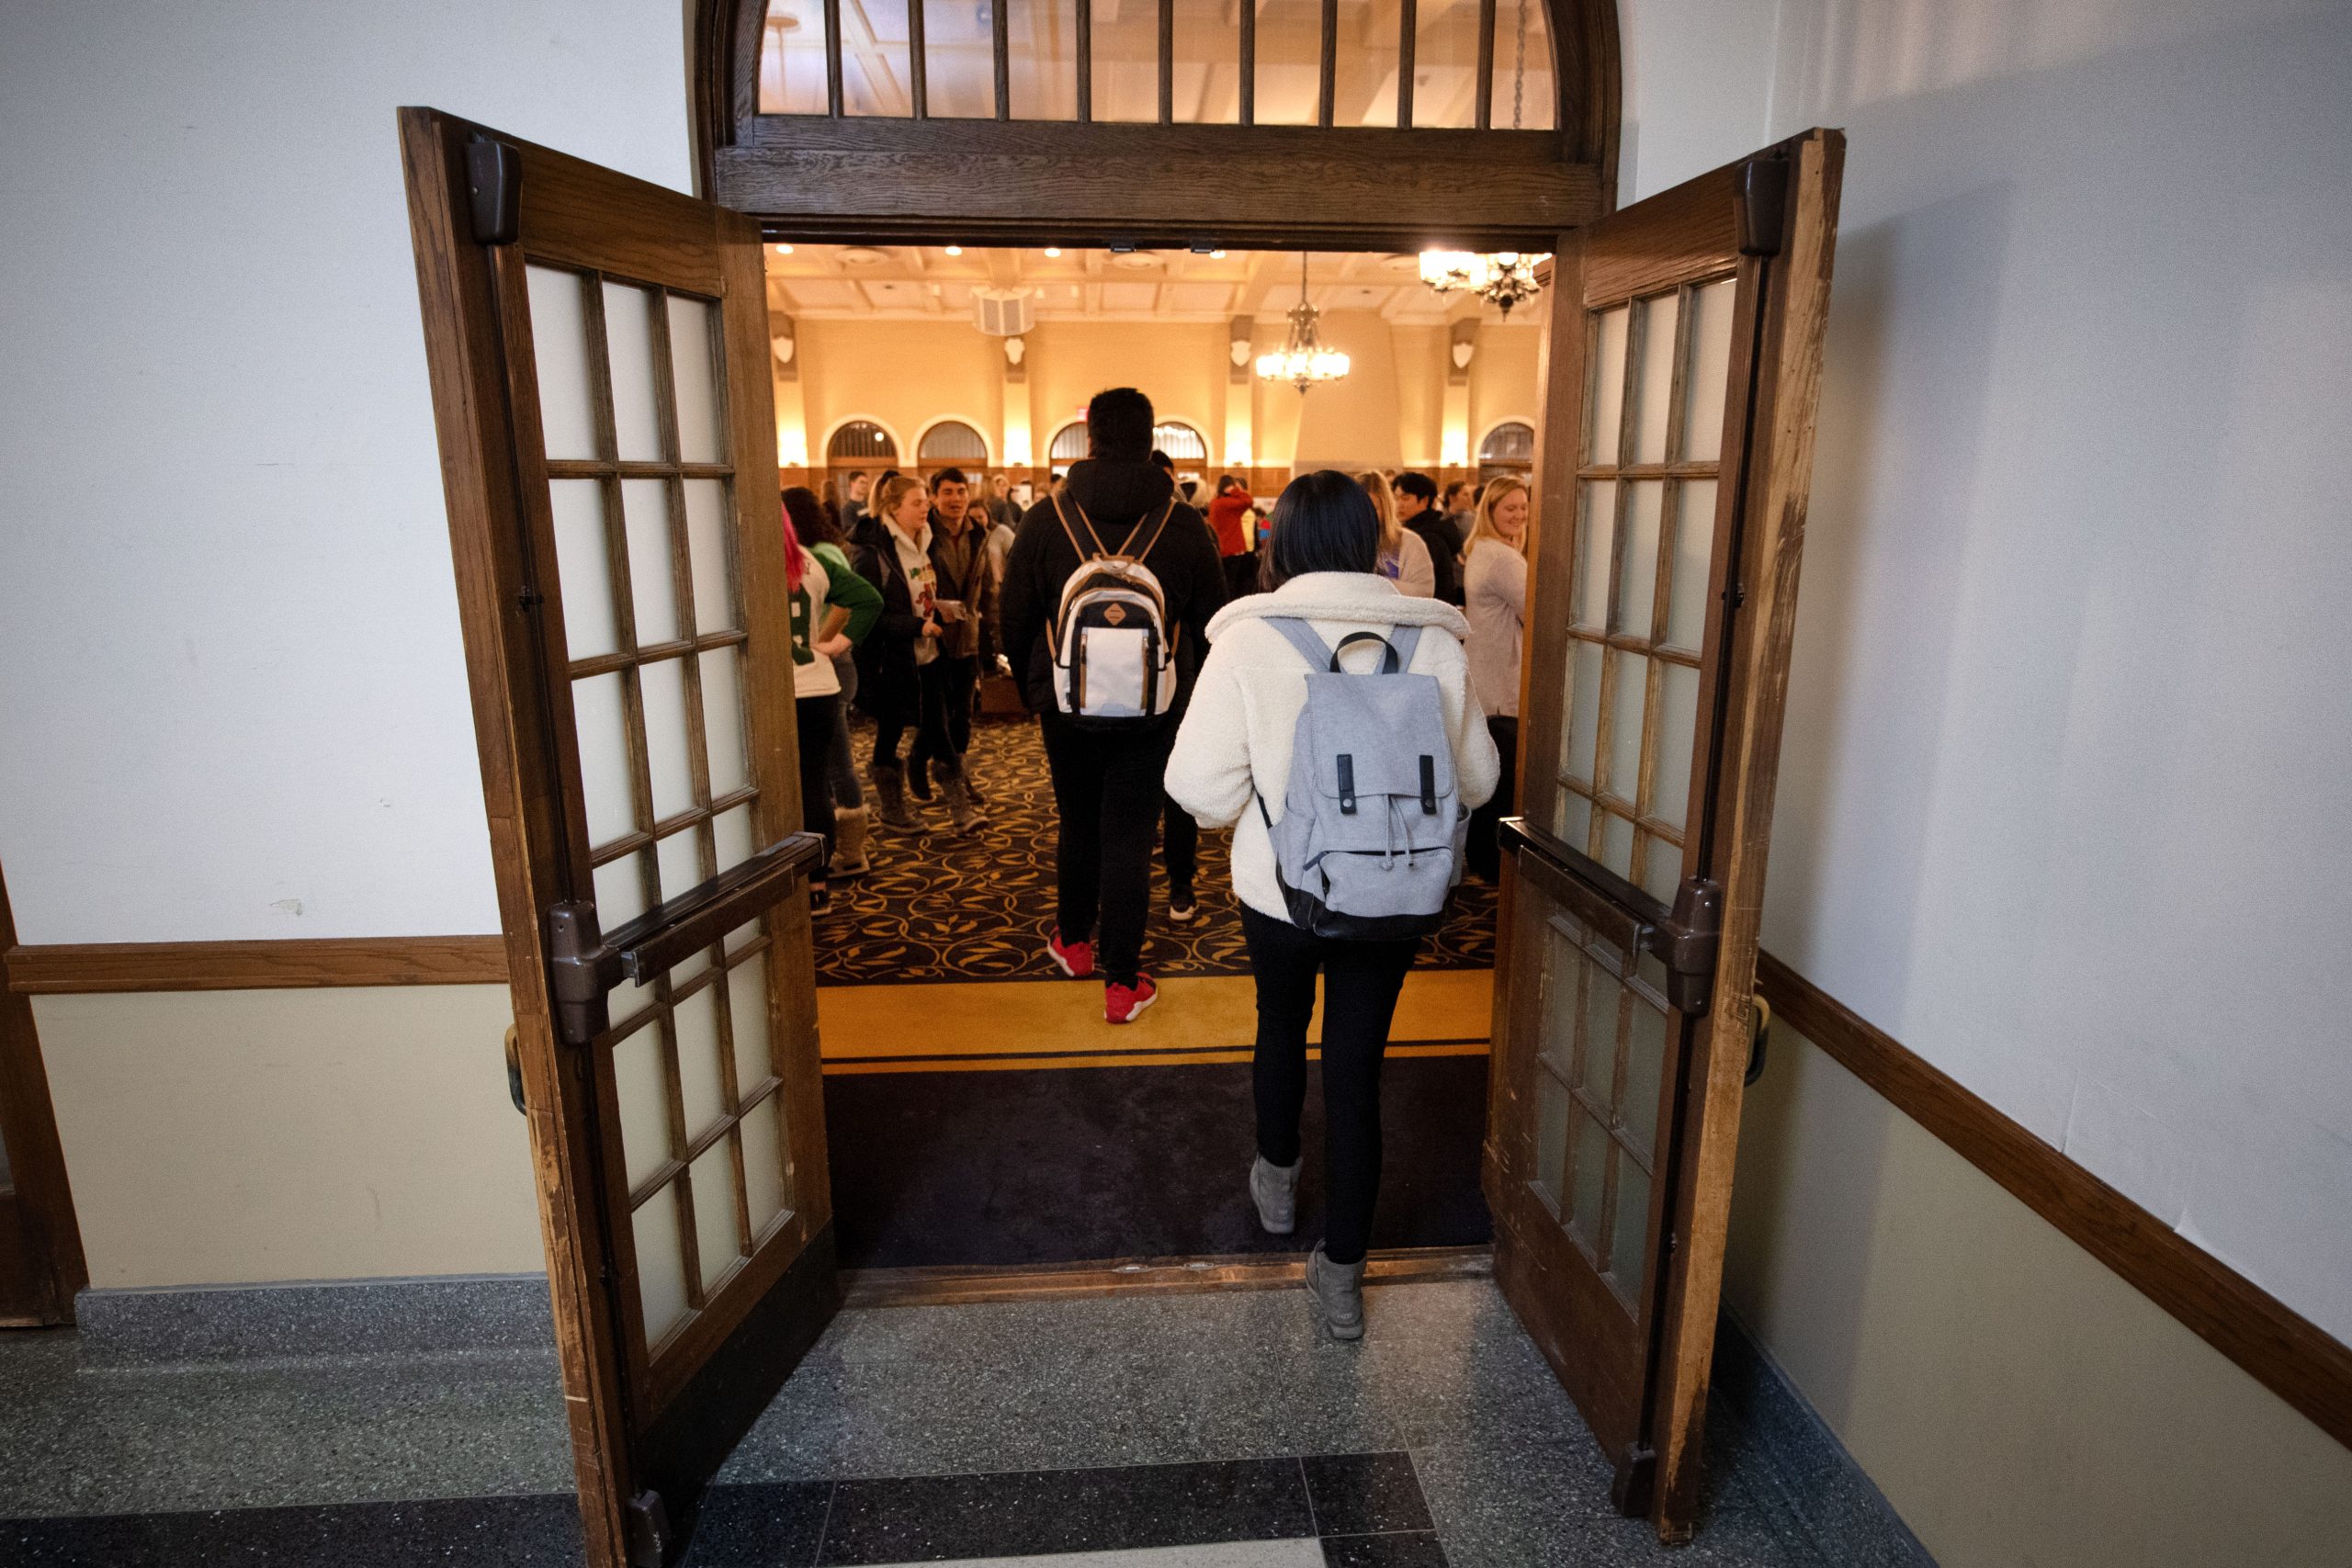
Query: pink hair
{"type": "Point", "coordinates": [791, 556]}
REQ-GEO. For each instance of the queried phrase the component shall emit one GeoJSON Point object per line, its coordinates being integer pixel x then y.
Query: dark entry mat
{"type": "Point", "coordinates": [940, 1169]}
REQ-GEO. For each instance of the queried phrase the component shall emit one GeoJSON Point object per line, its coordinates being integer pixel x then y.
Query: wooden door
{"type": "Point", "coordinates": [598, 351]}
{"type": "Point", "coordinates": [40, 1246]}
{"type": "Point", "coordinates": [1681, 378]}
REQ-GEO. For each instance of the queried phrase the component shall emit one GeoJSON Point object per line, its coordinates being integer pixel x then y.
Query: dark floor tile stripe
{"type": "Point", "coordinates": [1032, 1513]}
{"type": "Point", "coordinates": [767, 1524]}
{"type": "Point", "coordinates": [1365, 1493]}
{"type": "Point", "coordinates": [453, 1532]}
{"type": "Point", "coordinates": [1411, 1548]}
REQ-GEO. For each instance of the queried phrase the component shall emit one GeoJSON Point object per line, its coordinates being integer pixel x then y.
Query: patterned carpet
{"type": "Point", "coordinates": [937, 907]}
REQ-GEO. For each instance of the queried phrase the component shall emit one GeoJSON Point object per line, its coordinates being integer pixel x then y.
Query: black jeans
{"type": "Point", "coordinates": [817, 721]}
{"type": "Point", "coordinates": [1484, 853]}
{"type": "Point", "coordinates": [945, 732]}
{"type": "Point", "coordinates": [1107, 791]}
{"type": "Point", "coordinates": [925, 706]}
{"type": "Point", "coordinates": [1180, 849]}
{"type": "Point", "coordinates": [1361, 980]}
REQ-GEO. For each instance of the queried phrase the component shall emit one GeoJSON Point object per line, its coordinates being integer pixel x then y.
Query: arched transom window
{"type": "Point", "coordinates": [950, 441]}
{"type": "Point", "coordinates": [1508, 445]}
{"type": "Point", "coordinates": [860, 441]}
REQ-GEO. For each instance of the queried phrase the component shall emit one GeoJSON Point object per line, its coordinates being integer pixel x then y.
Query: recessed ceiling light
{"type": "Point", "coordinates": [1216, 255]}
{"type": "Point", "coordinates": [954, 250]}
{"type": "Point", "coordinates": [783, 250]}
{"type": "Point", "coordinates": [1054, 251]}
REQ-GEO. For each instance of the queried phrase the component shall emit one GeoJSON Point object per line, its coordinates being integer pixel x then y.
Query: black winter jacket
{"type": "Point", "coordinates": [1437, 531]}
{"type": "Point", "coordinates": [1117, 496]}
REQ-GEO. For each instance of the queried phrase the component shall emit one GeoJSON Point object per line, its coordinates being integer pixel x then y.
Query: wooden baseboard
{"type": "Point", "coordinates": [68, 968]}
{"type": "Point", "coordinates": [2293, 1358]}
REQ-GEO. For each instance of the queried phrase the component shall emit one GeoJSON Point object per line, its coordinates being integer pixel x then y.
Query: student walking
{"type": "Point", "coordinates": [1403, 556]}
{"type": "Point", "coordinates": [1236, 545]}
{"type": "Point", "coordinates": [905, 638]}
{"type": "Point", "coordinates": [965, 583]}
{"type": "Point", "coordinates": [1106, 770]}
{"type": "Point", "coordinates": [1494, 575]}
{"type": "Point", "coordinates": [821, 626]}
{"type": "Point", "coordinates": [1231, 765]}
{"type": "Point", "coordinates": [1417, 509]}
{"type": "Point", "coordinates": [846, 591]}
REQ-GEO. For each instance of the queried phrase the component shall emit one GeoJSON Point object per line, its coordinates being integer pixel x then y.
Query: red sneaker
{"type": "Point", "coordinates": [1075, 959]}
{"type": "Point", "coordinates": [1121, 1003]}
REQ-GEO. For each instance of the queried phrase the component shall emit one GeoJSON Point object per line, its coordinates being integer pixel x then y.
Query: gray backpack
{"type": "Point", "coordinates": [1370, 844]}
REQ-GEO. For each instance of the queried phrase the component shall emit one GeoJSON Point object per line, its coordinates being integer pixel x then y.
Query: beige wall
{"type": "Point", "coordinates": [902, 374]}
{"type": "Point", "coordinates": [2016, 1401]}
{"type": "Point", "coordinates": [237, 1135]}
{"type": "Point", "coordinates": [1503, 379]}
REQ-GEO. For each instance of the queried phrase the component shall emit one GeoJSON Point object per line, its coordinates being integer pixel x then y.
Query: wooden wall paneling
{"type": "Point", "coordinates": [68, 968]}
{"type": "Point", "coordinates": [41, 1264]}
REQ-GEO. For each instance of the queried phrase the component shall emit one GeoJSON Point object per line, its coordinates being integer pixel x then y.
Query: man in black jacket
{"type": "Point", "coordinates": [1107, 780]}
{"type": "Point", "coordinates": [1416, 507]}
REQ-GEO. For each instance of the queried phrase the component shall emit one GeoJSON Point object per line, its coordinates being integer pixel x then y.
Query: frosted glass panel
{"type": "Point", "coordinates": [1616, 844]}
{"type": "Point", "coordinates": [652, 577]}
{"type": "Point", "coordinates": [1630, 679]}
{"type": "Point", "coordinates": [1644, 1071]}
{"type": "Point", "coordinates": [694, 355]}
{"type": "Point", "coordinates": [583, 568]}
{"type": "Point", "coordinates": [1677, 730]}
{"type": "Point", "coordinates": [680, 859]}
{"type": "Point", "coordinates": [559, 346]}
{"type": "Point", "coordinates": [1584, 709]}
{"type": "Point", "coordinates": [1551, 1138]}
{"type": "Point", "coordinates": [1573, 820]}
{"type": "Point", "coordinates": [1654, 398]}
{"type": "Point", "coordinates": [1629, 1241]}
{"type": "Point", "coordinates": [1597, 1063]}
{"type": "Point", "coordinates": [1597, 530]}
{"type": "Point", "coordinates": [663, 687]}
{"type": "Point", "coordinates": [746, 1010]}
{"type": "Point", "coordinates": [1557, 1041]}
{"type": "Point", "coordinates": [874, 59]}
{"type": "Point", "coordinates": [1662, 872]}
{"type": "Point", "coordinates": [1608, 388]}
{"type": "Point", "coordinates": [1591, 1159]}
{"type": "Point", "coordinates": [716, 1243]}
{"type": "Point", "coordinates": [1709, 374]}
{"type": "Point", "coordinates": [743, 936]}
{"type": "Point", "coordinates": [766, 1184]}
{"type": "Point", "coordinates": [722, 720]}
{"type": "Point", "coordinates": [702, 1090]}
{"type": "Point", "coordinates": [599, 717]}
{"type": "Point", "coordinates": [707, 526]}
{"type": "Point", "coordinates": [643, 1089]}
{"type": "Point", "coordinates": [1637, 573]}
{"type": "Point", "coordinates": [629, 346]}
{"type": "Point", "coordinates": [1694, 546]}
{"type": "Point", "coordinates": [732, 830]}
{"type": "Point", "coordinates": [792, 65]}
{"type": "Point", "coordinates": [620, 891]}
{"type": "Point", "coordinates": [661, 1264]}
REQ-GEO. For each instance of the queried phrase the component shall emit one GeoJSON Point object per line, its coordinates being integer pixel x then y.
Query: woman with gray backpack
{"type": "Point", "coordinates": [1333, 726]}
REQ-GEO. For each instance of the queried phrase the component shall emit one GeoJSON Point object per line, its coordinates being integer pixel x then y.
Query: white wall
{"type": "Point", "coordinates": [2064, 804]}
{"type": "Point", "coordinates": [233, 699]}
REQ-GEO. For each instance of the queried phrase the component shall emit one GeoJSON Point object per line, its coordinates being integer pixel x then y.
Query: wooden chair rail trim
{"type": "Point", "coordinates": [2285, 1352]}
{"type": "Point", "coordinates": [70, 968]}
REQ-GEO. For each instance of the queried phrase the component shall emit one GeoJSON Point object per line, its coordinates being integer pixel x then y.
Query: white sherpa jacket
{"type": "Point", "coordinates": [1236, 737]}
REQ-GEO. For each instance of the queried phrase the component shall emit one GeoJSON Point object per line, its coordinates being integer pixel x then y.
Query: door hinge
{"type": "Point", "coordinates": [649, 1529]}
{"type": "Point", "coordinates": [1629, 1489]}
{"type": "Point", "coordinates": [1762, 200]}
{"type": "Point", "coordinates": [494, 184]}
{"type": "Point", "coordinates": [1687, 944]}
{"type": "Point", "coordinates": [576, 962]}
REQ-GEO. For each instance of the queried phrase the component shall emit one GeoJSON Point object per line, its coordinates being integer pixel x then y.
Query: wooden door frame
{"type": "Point", "coordinates": [41, 1262]}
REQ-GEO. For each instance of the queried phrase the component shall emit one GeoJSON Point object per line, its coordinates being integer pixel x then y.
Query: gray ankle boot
{"type": "Point", "coordinates": [1274, 1189]}
{"type": "Point", "coordinates": [1335, 1292]}
{"type": "Point", "coordinates": [960, 810]}
{"type": "Point", "coordinates": [891, 806]}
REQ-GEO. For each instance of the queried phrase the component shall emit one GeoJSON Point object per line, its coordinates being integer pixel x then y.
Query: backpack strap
{"type": "Point", "coordinates": [1403, 639]}
{"type": "Point", "coordinates": [1316, 652]}
{"type": "Point", "coordinates": [1083, 553]}
{"type": "Point", "coordinates": [1129, 548]}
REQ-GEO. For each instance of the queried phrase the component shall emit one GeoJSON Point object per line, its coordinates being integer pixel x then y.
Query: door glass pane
{"type": "Point", "coordinates": [1597, 529]}
{"type": "Point", "coordinates": [1644, 1071]}
{"type": "Point", "coordinates": [680, 858]}
{"type": "Point", "coordinates": [1597, 1052]}
{"type": "Point", "coordinates": [599, 717]}
{"type": "Point", "coordinates": [709, 530]}
{"type": "Point", "coordinates": [1551, 1138]}
{"type": "Point", "coordinates": [694, 359]}
{"type": "Point", "coordinates": [642, 1087]}
{"type": "Point", "coordinates": [1616, 844]}
{"type": "Point", "coordinates": [792, 59]}
{"type": "Point", "coordinates": [629, 348]}
{"type": "Point", "coordinates": [1694, 546]}
{"type": "Point", "coordinates": [1606, 392]}
{"type": "Point", "coordinates": [560, 347]}
{"type": "Point", "coordinates": [1290, 54]}
{"type": "Point", "coordinates": [1590, 1155]}
{"type": "Point", "coordinates": [652, 575]}
{"type": "Point", "coordinates": [620, 890]}
{"type": "Point", "coordinates": [1637, 573]}
{"type": "Point", "coordinates": [1709, 377]}
{"type": "Point", "coordinates": [722, 720]}
{"type": "Point", "coordinates": [701, 1088]}
{"type": "Point", "coordinates": [1584, 709]}
{"type": "Point", "coordinates": [1208, 63]}
{"type": "Point", "coordinates": [1364, 84]}
{"type": "Point", "coordinates": [1572, 820]}
{"type": "Point", "coordinates": [767, 1185]}
{"type": "Point", "coordinates": [583, 568]}
{"type": "Point", "coordinates": [1629, 1241]}
{"type": "Point", "coordinates": [1126, 62]}
{"type": "Point", "coordinates": [660, 1263]}
{"type": "Point", "coordinates": [1446, 66]}
{"type": "Point", "coordinates": [1654, 400]}
{"type": "Point", "coordinates": [1677, 731]}
{"type": "Point", "coordinates": [1045, 59]}
{"type": "Point", "coordinates": [716, 1243]}
{"type": "Point", "coordinates": [1662, 872]}
{"type": "Point", "coordinates": [1561, 964]}
{"type": "Point", "coordinates": [732, 832]}
{"type": "Point", "coordinates": [747, 1011]}
{"type": "Point", "coordinates": [1630, 681]}
{"type": "Point", "coordinates": [874, 59]}
{"type": "Point", "coordinates": [662, 687]}
{"type": "Point", "coordinates": [1523, 98]}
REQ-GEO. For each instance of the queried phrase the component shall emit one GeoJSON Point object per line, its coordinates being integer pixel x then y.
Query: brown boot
{"type": "Point", "coordinates": [849, 843]}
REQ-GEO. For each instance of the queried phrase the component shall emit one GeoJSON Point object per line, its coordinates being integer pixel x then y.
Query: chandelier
{"type": "Point", "coordinates": [1504, 279]}
{"type": "Point", "coordinates": [1301, 360]}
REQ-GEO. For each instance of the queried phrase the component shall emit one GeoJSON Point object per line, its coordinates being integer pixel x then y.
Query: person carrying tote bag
{"type": "Point", "coordinates": [1232, 766]}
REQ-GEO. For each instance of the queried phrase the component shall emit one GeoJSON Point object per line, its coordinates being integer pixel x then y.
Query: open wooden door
{"type": "Point", "coordinates": [598, 349]}
{"type": "Point", "coordinates": [1681, 382]}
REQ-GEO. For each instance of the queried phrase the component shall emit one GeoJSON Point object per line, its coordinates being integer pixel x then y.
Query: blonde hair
{"type": "Point", "coordinates": [1383, 503]}
{"type": "Point", "coordinates": [894, 491]}
{"type": "Point", "coordinates": [1483, 527]}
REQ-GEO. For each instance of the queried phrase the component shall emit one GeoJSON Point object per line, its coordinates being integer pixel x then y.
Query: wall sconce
{"type": "Point", "coordinates": [1462, 351]}
{"type": "Point", "coordinates": [783, 348]}
{"type": "Point", "coordinates": [1015, 349]}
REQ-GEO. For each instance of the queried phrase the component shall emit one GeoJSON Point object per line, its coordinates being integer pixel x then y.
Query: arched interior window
{"type": "Point", "coordinates": [950, 441]}
{"type": "Point", "coordinates": [1070, 443]}
{"type": "Point", "coordinates": [1508, 445]}
{"type": "Point", "coordinates": [859, 441]}
{"type": "Point", "coordinates": [1181, 442]}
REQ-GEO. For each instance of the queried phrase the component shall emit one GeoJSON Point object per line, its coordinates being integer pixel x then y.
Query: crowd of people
{"type": "Point", "coordinates": [906, 592]}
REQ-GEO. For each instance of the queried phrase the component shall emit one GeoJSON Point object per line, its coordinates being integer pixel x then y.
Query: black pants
{"type": "Point", "coordinates": [1180, 849]}
{"type": "Point", "coordinates": [945, 732]}
{"type": "Point", "coordinates": [923, 706]}
{"type": "Point", "coordinates": [1361, 980]}
{"type": "Point", "coordinates": [1107, 790]}
{"type": "Point", "coordinates": [1485, 853]}
{"type": "Point", "coordinates": [817, 721]}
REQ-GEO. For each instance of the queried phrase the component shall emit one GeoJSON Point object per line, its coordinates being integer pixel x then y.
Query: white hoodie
{"type": "Point", "coordinates": [1235, 742]}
